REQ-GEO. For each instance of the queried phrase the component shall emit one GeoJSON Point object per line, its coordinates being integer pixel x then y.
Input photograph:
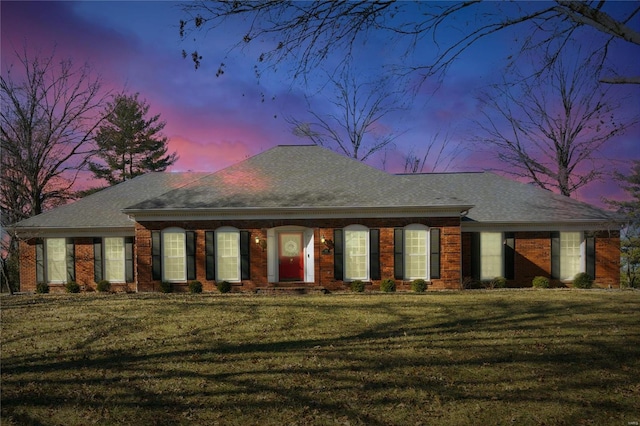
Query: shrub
{"type": "Point", "coordinates": [103, 286]}
{"type": "Point", "coordinates": [42, 288]}
{"type": "Point", "coordinates": [582, 280]}
{"type": "Point", "coordinates": [195, 287]}
{"type": "Point", "coordinates": [165, 287]}
{"type": "Point", "coordinates": [357, 286]}
{"type": "Point", "coordinates": [499, 282]}
{"type": "Point", "coordinates": [540, 282]}
{"type": "Point", "coordinates": [419, 285]}
{"type": "Point", "coordinates": [224, 286]}
{"type": "Point", "coordinates": [388, 285]}
{"type": "Point", "coordinates": [72, 287]}
{"type": "Point", "coordinates": [469, 283]}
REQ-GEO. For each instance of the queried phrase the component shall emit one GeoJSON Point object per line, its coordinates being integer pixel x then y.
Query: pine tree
{"type": "Point", "coordinates": [130, 144]}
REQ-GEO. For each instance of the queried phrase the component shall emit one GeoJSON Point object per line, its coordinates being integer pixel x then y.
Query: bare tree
{"type": "Point", "coordinates": [310, 32]}
{"type": "Point", "coordinates": [436, 156]}
{"type": "Point", "coordinates": [354, 127]}
{"type": "Point", "coordinates": [49, 112]}
{"type": "Point", "coordinates": [545, 129]}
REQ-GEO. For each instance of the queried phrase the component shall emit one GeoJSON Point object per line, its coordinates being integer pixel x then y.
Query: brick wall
{"type": "Point", "coordinates": [533, 258]}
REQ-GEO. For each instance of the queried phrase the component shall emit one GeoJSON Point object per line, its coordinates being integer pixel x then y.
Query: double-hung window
{"type": "Point", "coordinates": [356, 253]}
{"type": "Point", "coordinates": [570, 254]}
{"type": "Point", "coordinates": [415, 253]}
{"type": "Point", "coordinates": [114, 259]}
{"type": "Point", "coordinates": [56, 255]}
{"type": "Point", "coordinates": [491, 252]}
{"type": "Point", "coordinates": [228, 255]}
{"type": "Point", "coordinates": [174, 255]}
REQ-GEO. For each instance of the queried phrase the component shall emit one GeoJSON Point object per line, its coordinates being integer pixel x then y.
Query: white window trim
{"type": "Point", "coordinates": [583, 255]}
{"type": "Point", "coordinates": [357, 228]}
{"type": "Point", "coordinates": [227, 230]}
{"type": "Point", "coordinates": [174, 230]}
{"type": "Point", "coordinates": [483, 277]}
{"type": "Point", "coordinates": [105, 265]}
{"type": "Point", "coordinates": [417, 227]}
{"type": "Point", "coordinates": [47, 260]}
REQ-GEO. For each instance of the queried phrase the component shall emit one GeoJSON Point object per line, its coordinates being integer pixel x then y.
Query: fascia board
{"type": "Point", "coordinates": [578, 225]}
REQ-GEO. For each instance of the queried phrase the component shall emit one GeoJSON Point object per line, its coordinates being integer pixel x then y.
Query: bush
{"type": "Point", "coordinates": [103, 286]}
{"type": "Point", "coordinates": [540, 282]}
{"type": "Point", "coordinates": [419, 285]}
{"type": "Point", "coordinates": [582, 280]}
{"type": "Point", "coordinates": [357, 286]}
{"type": "Point", "coordinates": [499, 282]}
{"type": "Point", "coordinates": [166, 287]}
{"type": "Point", "coordinates": [42, 288]}
{"type": "Point", "coordinates": [195, 287]}
{"type": "Point", "coordinates": [72, 287]}
{"type": "Point", "coordinates": [388, 285]}
{"type": "Point", "coordinates": [224, 286]}
{"type": "Point", "coordinates": [469, 283]}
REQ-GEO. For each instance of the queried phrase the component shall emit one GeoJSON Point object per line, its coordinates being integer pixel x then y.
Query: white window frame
{"type": "Point", "coordinates": [166, 254]}
{"type": "Point", "coordinates": [578, 255]}
{"type": "Point", "coordinates": [52, 256]}
{"type": "Point", "coordinates": [221, 253]}
{"type": "Point", "coordinates": [489, 272]}
{"type": "Point", "coordinates": [356, 229]}
{"type": "Point", "coordinates": [111, 258]}
{"type": "Point", "coordinates": [408, 256]}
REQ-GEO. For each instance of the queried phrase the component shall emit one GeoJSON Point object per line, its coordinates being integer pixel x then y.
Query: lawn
{"type": "Point", "coordinates": [453, 358]}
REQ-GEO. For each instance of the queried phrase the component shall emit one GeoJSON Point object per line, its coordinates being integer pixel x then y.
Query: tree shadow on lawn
{"type": "Point", "coordinates": [516, 355]}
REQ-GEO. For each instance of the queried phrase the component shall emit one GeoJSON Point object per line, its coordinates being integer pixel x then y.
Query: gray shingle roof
{"type": "Point", "coordinates": [498, 199]}
{"type": "Point", "coordinates": [104, 208]}
{"type": "Point", "coordinates": [310, 177]}
{"type": "Point", "coordinates": [304, 176]}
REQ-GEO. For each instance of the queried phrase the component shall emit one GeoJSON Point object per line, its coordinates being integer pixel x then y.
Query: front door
{"type": "Point", "coordinates": [290, 258]}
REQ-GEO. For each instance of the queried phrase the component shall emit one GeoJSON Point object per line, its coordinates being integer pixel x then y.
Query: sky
{"type": "Point", "coordinates": [213, 122]}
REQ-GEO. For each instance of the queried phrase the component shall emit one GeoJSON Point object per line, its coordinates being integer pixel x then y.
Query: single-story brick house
{"type": "Point", "coordinates": [306, 216]}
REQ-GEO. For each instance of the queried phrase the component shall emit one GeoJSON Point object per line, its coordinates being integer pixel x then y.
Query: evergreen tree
{"type": "Point", "coordinates": [130, 144]}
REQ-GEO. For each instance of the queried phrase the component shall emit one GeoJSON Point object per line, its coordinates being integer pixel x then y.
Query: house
{"type": "Point", "coordinates": [307, 217]}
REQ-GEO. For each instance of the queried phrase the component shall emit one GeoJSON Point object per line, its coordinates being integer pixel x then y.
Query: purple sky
{"type": "Point", "coordinates": [213, 122]}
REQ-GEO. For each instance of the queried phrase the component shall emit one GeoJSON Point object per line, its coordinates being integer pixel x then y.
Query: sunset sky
{"type": "Point", "coordinates": [213, 122]}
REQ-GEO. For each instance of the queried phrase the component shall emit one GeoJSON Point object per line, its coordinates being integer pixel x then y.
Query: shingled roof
{"type": "Point", "coordinates": [313, 179]}
{"type": "Point", "coordinates": [103, 209]}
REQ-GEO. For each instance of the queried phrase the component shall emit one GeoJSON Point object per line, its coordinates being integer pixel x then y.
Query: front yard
{"type": "Point", "coordinates": [471, 357]}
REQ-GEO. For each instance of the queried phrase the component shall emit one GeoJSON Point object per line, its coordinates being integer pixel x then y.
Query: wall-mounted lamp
{"type": "Point", "coordinates": [327, 243]}
{"type": "Point", "coordinates": [261, 243]}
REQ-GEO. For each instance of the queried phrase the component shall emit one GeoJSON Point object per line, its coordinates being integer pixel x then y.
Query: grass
{"type": "Point", "coordinates": [472, 357]}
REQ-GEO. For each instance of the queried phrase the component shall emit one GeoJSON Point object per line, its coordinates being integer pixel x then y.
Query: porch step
{"type": "Point", "coordinates": [291, 289]}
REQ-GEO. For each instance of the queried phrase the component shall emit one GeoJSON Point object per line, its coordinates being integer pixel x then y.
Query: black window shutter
{"type": "Point", "coordinates": [374, 254]}
{"type": "Point", "coordinates": [475, 255]}
{"type": "Point", "coordinates": [97, 260]}
{"type": "Point", "coordinates": [245, 265]}
{"type": "Point", "coordinates": [128, 259]}
{"type": "Point", "coordinates": [156, 255]}
{"type": "Point", "coordinates": [398, 253]}
{"type": "Point", "coordinates": [509, 255]}
{"type": "Point", "coordinates": [71, 260]}
{"type": "Point", "coordinates": [190, 237]}
{"type": "Point", "coordinates": [338, 255]}
{"type": "Point", "coordinates": [40, 278]}
{"type": "Point", "coordinates": [210, 255]}
{"type": "Point", "coordinates": [590, 262]}
{"type": "Point", "coordinates": [434, 253]}
{"type": "Point", "coordinates": [555, 255]}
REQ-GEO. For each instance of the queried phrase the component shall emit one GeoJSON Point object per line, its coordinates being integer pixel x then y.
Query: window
{"type": "Point", "coordinates": [491, 261]}
{"type": "Point", "coordinates": [228, 255]}
{"type": "Point", "coordinates": [114, 267]}
{"type": "Point", "coordinates": [415, 253]}
{"type": "Point", "coordinates": [56, 255]}
{"type": "Point", "coordinates": [174, 255]}
{"type": "Point", "coordinates": [356, 253]}
{"type": "Point", "coordinates": [570, 254]}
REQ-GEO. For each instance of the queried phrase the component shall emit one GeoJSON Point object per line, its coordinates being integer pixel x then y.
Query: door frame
{"type": "Point", "coordinates": [308, 253]}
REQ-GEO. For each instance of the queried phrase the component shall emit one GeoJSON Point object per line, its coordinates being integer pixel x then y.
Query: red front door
{"type": "Point", "coordinates": [290, 256]}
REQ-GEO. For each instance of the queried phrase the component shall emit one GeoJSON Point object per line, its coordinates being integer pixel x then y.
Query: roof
{"type": "Point", "coordinates": [103, 209]}
{"type": "Point", "coordinates": [314, 180]}
{"type": "Point", "coordinates": [497, 199]}
{"type": "Point", "coordinates": [298, 176]}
